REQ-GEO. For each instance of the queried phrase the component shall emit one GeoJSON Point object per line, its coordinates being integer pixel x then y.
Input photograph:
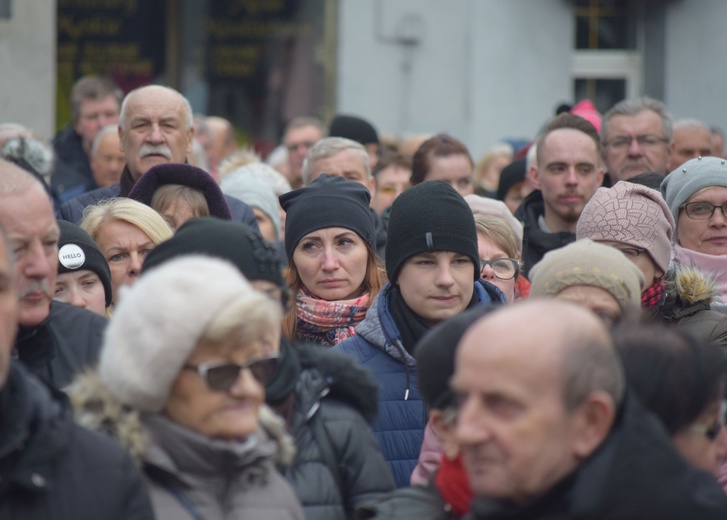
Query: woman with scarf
{"type": "Point", "coordinates": [330, 239]}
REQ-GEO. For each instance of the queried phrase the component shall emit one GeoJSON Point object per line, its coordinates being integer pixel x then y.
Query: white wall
{"type": "Point", "coordinates": [28, 65]}
{"type": "Point", "coordinates": [482, 70]}
{"type": "Point", "coordinates": [696, 61]}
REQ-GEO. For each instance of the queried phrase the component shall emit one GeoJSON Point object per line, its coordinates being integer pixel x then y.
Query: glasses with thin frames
{"type": "Point", "coordinates": [220, 377]}
{"type": "Point", "coordinates": [644, 141]}
{"type": "Point", "coordinates": [702, 210]}
{"type": "Point", "coordinates": [504, 268]}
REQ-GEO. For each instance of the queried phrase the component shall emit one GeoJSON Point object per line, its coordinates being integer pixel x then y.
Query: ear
{"type": "Point", "coordinates": [372, 187]}
{"type": "Point", "coordinates": [670, 153]}
{"type": "Point", "coordinates": [592, 423]}
{"type": "Point", "coordinates": [444, 432]}
{"type": "Point", "coordinates": [190, 140]}
{"type": "Point", "coordinates": [121, 139]}
{"type": "Point", "coordinates": [600, 176]}
{"type": "Point", "coordinates": [533, 177]}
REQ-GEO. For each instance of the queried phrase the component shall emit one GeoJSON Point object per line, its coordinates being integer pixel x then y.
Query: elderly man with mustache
{"type": "Point", "coordinates": [54, 340]}
{"type": "Point", "coordinates": [155, 127]}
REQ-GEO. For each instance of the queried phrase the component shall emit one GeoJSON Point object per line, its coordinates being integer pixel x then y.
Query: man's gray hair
{"type": "Point", "coordinates": [93, 88]}
{"type": "Point", "coordinates": [106, 130]}
{"type": "Point", "coordinates": [590, 365]}
{"type": "Point", "coordinates": [631, 107]}
{"type": "Point", "coordinates": [15, 180]}
{"type": "Point", "coordinates": [690, 123]}
{"type": "Point", "coordinates": [188, 114]}
{"type": "Point", "coordinates": [331, 146]}
{"type": "Point", "coordinates": [300, 122]}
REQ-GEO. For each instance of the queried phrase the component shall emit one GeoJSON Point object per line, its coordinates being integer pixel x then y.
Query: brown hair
{"type": "Point", "coordinates": [441, 145]}
{"type": "Point", "coordinates": [165, 195]}
{"type": "Point", "coordinates": [374, 280]}
{"type": "Point", "coordinates": [568, 120]}
{"type": "Point", "coordinates": [391, 159]}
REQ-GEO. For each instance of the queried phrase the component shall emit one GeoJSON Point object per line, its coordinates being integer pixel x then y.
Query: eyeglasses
{"type": "Point", "coordinates": [631, 252]}
{"type": "Point", "coordinates": [504, 268]}
{"type": "Point", "coordinates": [220, 377]}
{"type": "Point", "coordinates": [644, 141]}
{"type": "Point", "coordinates": [702, 210]}
{"type": "Point", "coordinates": [712, 431]}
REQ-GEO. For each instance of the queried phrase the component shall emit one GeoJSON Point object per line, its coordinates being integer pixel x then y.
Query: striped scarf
{"type": "Point", "coordinates": [329, 323]}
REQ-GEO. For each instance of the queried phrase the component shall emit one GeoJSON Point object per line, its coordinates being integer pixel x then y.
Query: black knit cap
{"type": "Point", "coordinates": [327, 202]}
{"type": "Point", "coordinates": [510, 176]}
{"type": "Point", "coordinates": [354, 128]}
{"type": "Point", "coordinates": [428, 217]}
{"type": "Point", "coordinates": [186, 175]}
{"type": "Point", "coordinates": [77, 251]}
{"type": "Point", "coordinates": [435, 354]}
{"type": "Point", "coordinates": [232, 241]}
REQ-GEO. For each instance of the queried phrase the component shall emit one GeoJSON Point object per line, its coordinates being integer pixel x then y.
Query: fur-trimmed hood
{"type": "Point", "coordinates": [690, 284]}
{"type": "Point", "coordinates": [96, 409]}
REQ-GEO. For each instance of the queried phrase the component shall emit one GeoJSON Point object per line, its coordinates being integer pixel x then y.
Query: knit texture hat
{"type": "Point", "coordinates": [435, 354]}
{"type": "Point", "coordinates": [328, 202]}
{"type": "Point", "coordinates": [689, 178]}
{"type": "Point", "coordinates": [632, 214]}
{"type": "Point", "coordinates": [77, 251]}
{"type": "Point", "coordinates": [158, 323]}
{"type": "Point", "coordinates": [510, 176]}
{"type": "Point", "coordinates": [354, 128]}
{"type": "Point", "coordinates": [186, 175]}
{"type": "Point", "coordinates": [256, 193]}
{"type": "Point", "coordinates": [231, 241]}
{"type": "Point", "coordinates": [585, 262]}
{"type": "Point", "coordinates": [430, 216]}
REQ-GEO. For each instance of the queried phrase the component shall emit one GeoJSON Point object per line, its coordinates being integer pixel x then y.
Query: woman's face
{"type": "Point", "coordinates": [488, 250]}
{"type": "Point", "coordinates": [455, 170]}
{"type": "Point", "coordinates": [81, 289]}
{"type": "Point", "coordinates": [230, 414]}
{"type": "Point", "coordinates": [265, 224]}
{"type": "Point", "coordinates": [332, 263]}
{"type": "Point", "coordinates": [696, 446]}
{"type": "Point", "coordinates": [124, 246]}
{"type": "Point", "coordinates": [707, 236]}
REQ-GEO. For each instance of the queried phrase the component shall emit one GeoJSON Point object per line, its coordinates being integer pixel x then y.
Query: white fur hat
{"type": "Point", "coordinates": [157, 324]}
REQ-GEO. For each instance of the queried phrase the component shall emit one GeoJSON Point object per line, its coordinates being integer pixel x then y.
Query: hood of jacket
{"type": "Point", "coordinates": [329, 374]}
{"type": "Point", "coordinates": [379, 328]}
{"type": "Point", "coordinates": [96, 409]}
{"type": "Point", "coordinates": [691, 284]}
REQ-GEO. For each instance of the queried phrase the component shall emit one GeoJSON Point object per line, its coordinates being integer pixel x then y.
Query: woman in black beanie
{"type": "Point", "coordinates": [330, 239]}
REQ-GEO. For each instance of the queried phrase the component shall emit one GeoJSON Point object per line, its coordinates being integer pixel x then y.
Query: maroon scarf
{"type": "Point", "coordinates": [451, 480]}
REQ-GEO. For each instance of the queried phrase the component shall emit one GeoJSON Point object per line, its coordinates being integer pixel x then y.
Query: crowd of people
{"type": "Point", "coordinates": [360, 326]}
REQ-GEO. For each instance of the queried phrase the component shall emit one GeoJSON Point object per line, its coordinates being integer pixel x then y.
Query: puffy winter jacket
{"type": "Point", "coordinates": [334, 399]}
{"type": "Point", "coordinates": [402, 417]}
{"type": "Point", "coordinates": [50, 468]}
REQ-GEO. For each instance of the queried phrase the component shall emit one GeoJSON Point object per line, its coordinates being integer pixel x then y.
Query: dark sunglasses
{"type": "Point", "coordinates": [220, 377]}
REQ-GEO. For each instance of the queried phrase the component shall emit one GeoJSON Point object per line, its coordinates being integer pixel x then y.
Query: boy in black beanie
{"type": "Point", "coordinates": [434, 274]}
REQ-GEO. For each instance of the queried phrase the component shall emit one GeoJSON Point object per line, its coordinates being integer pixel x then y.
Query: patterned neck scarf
{"type": "Point", "coordinates": [652, 296]}
{"type": "Point", "coordinates": [329, 323]}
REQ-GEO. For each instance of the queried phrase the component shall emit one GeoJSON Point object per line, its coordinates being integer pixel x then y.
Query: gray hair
{"type": "Point", "coordinates": [108, 129]}
{"type": "Point", "coordinates": [36, 154]}
{"type": "Point", "coordinates": [93, 88]}
{"type": "Point", "coordinates": [14, 180]}
{"type": "Point", "coordinates": [631, 107]}
{"type": "Point", "coordinates": [690, 123]}
{"type": "Point", "coordinates": [188, 114]}
{"type": "Point", "coordinates": [329, 147]}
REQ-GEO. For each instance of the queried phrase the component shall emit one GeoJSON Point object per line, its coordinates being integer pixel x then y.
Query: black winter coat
{"type": "Point", "coordinates": [537, 242]}
{"type": "Point", "coordinates": [51, 468]}
{"type": "Point", "coordinates": [334, 399]}
{"type": "Point", "coordinates": [636, 474]}
{"type": "Point", "coordinates": [68, 341]}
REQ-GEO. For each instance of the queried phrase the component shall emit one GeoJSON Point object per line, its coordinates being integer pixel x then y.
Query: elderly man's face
{"type": "Point", "coordinates": [156, 130]}
{"type": "Point", "coordinates": [8, 311]}
{"type": "Point", "coordinates": [636, 144]}
{"type": "Point", "coordinates": [298, 141]}
{"type": "Point", "coordinates": [33, 235]}
{"type": "Point", "coordinates": [347, 164]}
{"type": "Point", "coordinates": [108, 161]}
{"type": "Point", "coordinates": [93, 116]}
{"type": "Point", "coordinates": [516, 437]}
{"type": "Point", "coordinates": [688, 143]}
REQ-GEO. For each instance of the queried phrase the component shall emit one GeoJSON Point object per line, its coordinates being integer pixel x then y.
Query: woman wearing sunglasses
{"type": "Point", "coordinates": [188, 351]}
{"type": "Point", "coordinates": [500, 256]}
{"type": "Point", "coordinates": [682, 381]}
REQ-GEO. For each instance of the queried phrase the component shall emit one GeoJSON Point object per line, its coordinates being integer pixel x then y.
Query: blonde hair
{"type": "Point", "coordinates": [249, 317]}
{"type": "Point", "coordinates": [374, 280]}
{"type": "Point", "coordinates": [127, 210]}
{"type": "Point", "coordinates": [165, 195]}
{"type": "Point", "coordinates": [499, 231]}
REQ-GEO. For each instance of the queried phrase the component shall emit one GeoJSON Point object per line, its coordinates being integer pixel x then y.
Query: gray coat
{"type": "Point", "coordinates": [191, 476]}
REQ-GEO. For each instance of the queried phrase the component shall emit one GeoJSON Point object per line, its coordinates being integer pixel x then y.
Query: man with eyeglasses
{"type": "Point", "coordinates": [566, 174]}
{"type": "Point", "coordinates": [299, 136]}
{"type": "Point", "coordinates": [635, 137]}
{"type": "Point", "coordinates": [637, 221]}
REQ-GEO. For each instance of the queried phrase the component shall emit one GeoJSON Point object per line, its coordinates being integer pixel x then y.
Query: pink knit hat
{"type": "Point", "coordinates": [587, 110]}
{"type": "Point", "coordinates": [631, 214]}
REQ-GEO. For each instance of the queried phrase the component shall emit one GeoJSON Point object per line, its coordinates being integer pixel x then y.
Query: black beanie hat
{"type": "Point", "coordinates": [435, 354]}
{"type": "Point", "coordinates": [327, 202]}
{"type": "Point", "coordinates": [354, 128]}
{"type": "Point", "coordinates": [510, 176]}
{"type": "Point", "coordinates": [77, 250]}
{"type": "Point", "coordinates": [186, 175]}
{"type": "Point", "coordinates": [232, 241]}
{"type": "Point", "coordinates": [428, 217]}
